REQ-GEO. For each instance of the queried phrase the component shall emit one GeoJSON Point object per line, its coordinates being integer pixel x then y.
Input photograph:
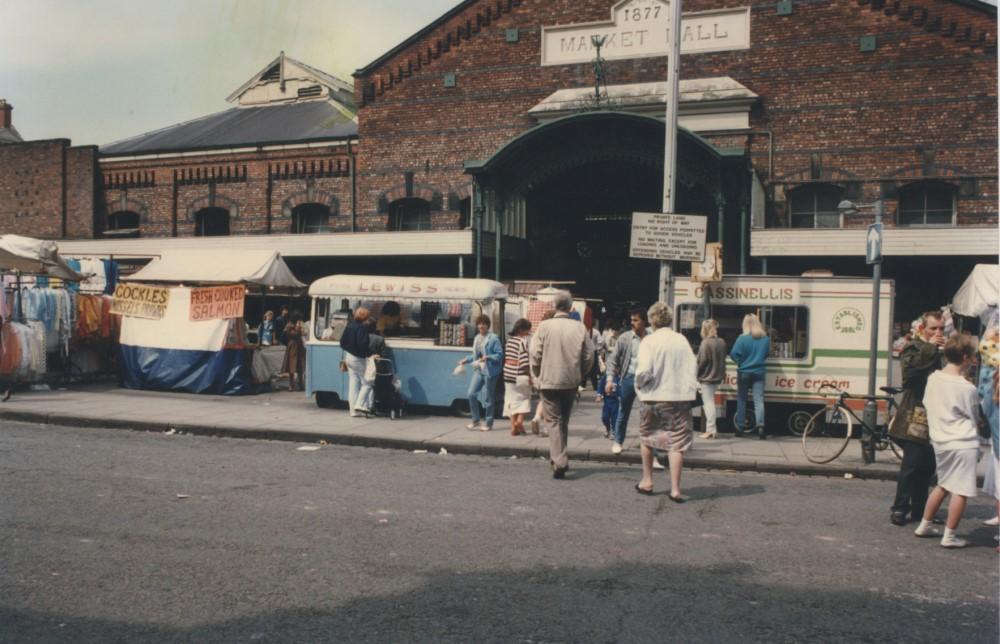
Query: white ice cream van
{"type": "Point", "coordinates": [820, 333]}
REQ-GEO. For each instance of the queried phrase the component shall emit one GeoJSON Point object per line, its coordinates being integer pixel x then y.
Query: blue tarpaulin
{"type": "Point", "coordinates": [224, 372]}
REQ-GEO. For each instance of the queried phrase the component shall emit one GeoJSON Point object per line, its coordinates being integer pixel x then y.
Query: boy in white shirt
{"type": "Point", "coordinates": [953, 413]}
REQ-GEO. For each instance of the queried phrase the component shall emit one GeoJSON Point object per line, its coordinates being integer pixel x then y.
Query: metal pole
{"type": "Point", "coordinates": [670, 140]}
{"type": "Point", "coordinates": [498, 210]}
{"type": "Point", "coordinates": [477, 208]}
{"type": "Point", "coordinates": [870, 415]}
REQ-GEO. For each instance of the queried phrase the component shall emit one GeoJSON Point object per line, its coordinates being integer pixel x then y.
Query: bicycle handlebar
{"type": "Point", "coordinates": [844, 394]}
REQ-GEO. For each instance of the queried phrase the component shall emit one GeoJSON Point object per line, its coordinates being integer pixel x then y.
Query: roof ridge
{"type": "Point", "coordinates": [919, 16]}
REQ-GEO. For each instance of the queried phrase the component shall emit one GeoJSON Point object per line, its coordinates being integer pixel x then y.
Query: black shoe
{"type": "Point", "coordinates": [760, 434]}
{"type": "Point", "coordinates": [898, 518]}
{"type": "Point", "coordinates": [559, 473]}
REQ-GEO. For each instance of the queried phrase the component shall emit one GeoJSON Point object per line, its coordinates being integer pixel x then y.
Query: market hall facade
{"type": "Point", "coordinates": [492, 143]}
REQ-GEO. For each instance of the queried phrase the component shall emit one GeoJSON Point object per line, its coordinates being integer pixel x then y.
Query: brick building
{"type": "Point", "coordinates": [495, 118]}
{"type": "Point", "coordinates": [786, 109]}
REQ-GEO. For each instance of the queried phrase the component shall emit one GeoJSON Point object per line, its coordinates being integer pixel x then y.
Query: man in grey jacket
{"type": "Point", "coordinates": [561, 356]}
{"type": "Point", "coordinates": [621, 374]}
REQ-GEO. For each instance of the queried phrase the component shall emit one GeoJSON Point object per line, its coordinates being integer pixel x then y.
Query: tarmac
{"type": "Point", "coordinates": [291, 416]}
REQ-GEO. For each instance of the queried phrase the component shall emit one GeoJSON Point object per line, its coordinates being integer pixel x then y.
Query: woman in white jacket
{"type": "Point", "coordinates": [953, 413]}
{"type": "Point", "coordinates": [666, 384]}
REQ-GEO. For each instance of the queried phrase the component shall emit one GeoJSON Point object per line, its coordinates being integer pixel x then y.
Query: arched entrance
{"type": "Point", "coordinates": [563, 194]}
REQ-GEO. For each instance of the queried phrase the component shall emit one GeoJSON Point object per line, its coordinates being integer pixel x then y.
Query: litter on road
{"type": "Point", "coordinates": [308, 448]}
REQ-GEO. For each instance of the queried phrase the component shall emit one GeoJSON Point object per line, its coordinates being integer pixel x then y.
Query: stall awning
{"type": "Point", "coordinates": [262, 268]}
{"type": "Point", "coordinates": [979, 292]}
{"type": "Point", "coordinates": [36, 256]}
{"type": "Point", "coordinates": [428, 288]}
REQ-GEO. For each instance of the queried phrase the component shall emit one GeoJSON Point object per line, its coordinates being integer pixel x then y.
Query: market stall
{"type": "Point", "coordinates": [183, 323]}
{"type": "Point", "coordinates": [980, 294]}
{"type": "Point", "coordinates": [38, 312]}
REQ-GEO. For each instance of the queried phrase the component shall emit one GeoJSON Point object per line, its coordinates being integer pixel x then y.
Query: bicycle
{"type": "Point", "coordinates": [828, 431]}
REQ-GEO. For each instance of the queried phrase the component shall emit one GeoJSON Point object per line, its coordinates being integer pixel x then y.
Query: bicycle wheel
{"type": "Point", "coordinates": [824, 440]}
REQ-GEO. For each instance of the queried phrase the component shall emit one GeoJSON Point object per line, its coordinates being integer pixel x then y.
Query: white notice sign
{"type": "Point", "coordinates": [638, 29]}
{"type": "Point", "coordinates": [668, 237]}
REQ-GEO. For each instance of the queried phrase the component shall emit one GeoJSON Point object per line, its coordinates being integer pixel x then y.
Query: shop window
{"type": "Point", "coordinates": [311, 218]}
{"type": "Point", "coordinates": [814, 207]}
{"type": "Point", "coordinates": [926, 204]}
{"type": "Point", "coordinates": [211, 222]}
{"type": "Point", "coordinates": [409, 214]}
{"type": "Point", "coordinates": [788, 326]}
{"type": "Point", "coordinates": [124, 223]}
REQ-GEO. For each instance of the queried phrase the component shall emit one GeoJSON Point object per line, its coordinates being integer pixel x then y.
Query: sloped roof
{"type": "Point", "coordinates": [243, 126]}
{"type": "Point", "coordinates": [9, 135]}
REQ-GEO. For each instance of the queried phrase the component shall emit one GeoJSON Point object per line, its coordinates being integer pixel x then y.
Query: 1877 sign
{"type": "Point", "coordinates": [638, 29]}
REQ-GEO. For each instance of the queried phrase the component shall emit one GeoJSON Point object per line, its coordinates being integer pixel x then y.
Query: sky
{"type": "Point", "coordinates": [97, 71]}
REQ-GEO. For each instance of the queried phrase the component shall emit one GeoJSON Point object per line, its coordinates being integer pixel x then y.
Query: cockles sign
{"type": "Point", "coordinates": [638, 29]}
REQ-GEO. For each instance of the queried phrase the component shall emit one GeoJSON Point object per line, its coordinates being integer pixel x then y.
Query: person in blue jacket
{"type": "Point", "coordinates": [750, 352]}
{"type": "Point", "coordinates": [487, 365]}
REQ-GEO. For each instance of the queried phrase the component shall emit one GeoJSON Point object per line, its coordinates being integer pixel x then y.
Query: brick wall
{"type": "Point", "coordinates": [258, 189]}
{"type": "Point", "coordinates": [868, 121]}
{"type": "Point", "coordinates": [43, 184]}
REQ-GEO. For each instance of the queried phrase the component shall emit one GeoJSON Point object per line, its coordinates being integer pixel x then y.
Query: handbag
{"type": "Point", "coordinates": [916, 426]}
{"type": "Point", "coordinates": [697, 402]}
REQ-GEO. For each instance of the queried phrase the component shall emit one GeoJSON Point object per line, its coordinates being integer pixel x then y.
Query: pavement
{"type": "Point", "coordinates": [294, 417]}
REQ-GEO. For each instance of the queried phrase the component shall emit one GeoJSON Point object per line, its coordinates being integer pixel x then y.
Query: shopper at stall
{"type": "Point", "coordinates": [295, 352]}
{"type": "Point", "coordinates": [953, 415]}
{"type": "Point", "coordinates": [280, 323]}
{"type": "Point", "coordinates": [621, 374]}
{"type": "Point", "coordinates": [560, 356]}
{"type": "Point", "coordinates": [357, 348]}
{"type": "Point", "coordinates": [389, 319]}
{"type": "Point", "coordinates": [919, 359]}
{"type": "Point", "coordinates": [989, 400]}
{"type": "Point", "coordinates": [666, 384]}
{"type": "Point", "coordinates": [750, 352]}
{"type": "Point", "coordinates": [517, 377]}
{"type": "Point", "coordinates": [711, 371]}
{"type": "Point", "coordinates": [266, 334]}
{"type": "Point", "coordinates": [487, 364]}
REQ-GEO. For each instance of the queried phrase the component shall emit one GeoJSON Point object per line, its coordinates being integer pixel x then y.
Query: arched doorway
{"type": "Point", "coordinates": [211, 222]}
{"type": "Point", "coordinates": [311, 218]}
{"type": "Point", "coordinates": [566, 192]}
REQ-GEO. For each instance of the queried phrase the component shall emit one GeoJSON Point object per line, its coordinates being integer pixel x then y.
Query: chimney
{"type": "Point", "coordinates": [5, 110]}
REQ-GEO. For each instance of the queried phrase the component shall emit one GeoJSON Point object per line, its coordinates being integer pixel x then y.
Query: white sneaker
{"type": "Point", "coordinates": [926, 529]}
{"type": "Point", "coordinates": [951, 541]}
{"type": "Point", "coordinates": [992, 522]}
{"type": "Point", "coordinates": [616, 448]}
{"type": "Point", "coordinates": [657, 465]}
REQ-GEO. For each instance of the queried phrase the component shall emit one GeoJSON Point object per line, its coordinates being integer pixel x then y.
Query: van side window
{"type": "Point", "coordinates": [788, 326]}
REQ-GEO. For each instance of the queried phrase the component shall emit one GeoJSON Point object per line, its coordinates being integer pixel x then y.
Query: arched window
{"type": "Point", "coordinates": [814, 207]}
{"type": "Point", "coordinates": [926, 204]}
{"type": "Point", "coordinates": [409, 214]}
{"type": "Point", "coordinates": [311, 218]}
{"type": "Point", "coordinates": [211, 222]}
{"type": "Point", "coordinates": [123, 220]}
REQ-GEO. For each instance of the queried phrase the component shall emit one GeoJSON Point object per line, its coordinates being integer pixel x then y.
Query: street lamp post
{"type": "Point", "coordinates": [598, 42]}
{"type": "Point", "coordinates": [870, 414]}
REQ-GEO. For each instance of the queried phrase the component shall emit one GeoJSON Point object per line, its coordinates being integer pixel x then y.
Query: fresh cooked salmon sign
{"type": "Point", "coordinates": [217, 303]}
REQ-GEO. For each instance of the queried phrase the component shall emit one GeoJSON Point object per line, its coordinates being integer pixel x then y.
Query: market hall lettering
{"type": "Point", "coordinates": [638, 28]}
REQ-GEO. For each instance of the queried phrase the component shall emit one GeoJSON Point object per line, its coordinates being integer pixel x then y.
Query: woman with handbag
{"type": "Point", "coordinates": [711, 371]}
{"type": "Point", "coordinates": [486, 361]}
{"type": "Point", "coordinates": [953, 417]}
{"type": "Point", "coordinates": [750, 353]}
{"type": "Point", "coordinates": [517, 377]}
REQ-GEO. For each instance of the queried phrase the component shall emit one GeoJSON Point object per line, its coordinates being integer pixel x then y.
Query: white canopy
{"type": "Point", "coordinates": [980, 291]}
{"type": "Point", "coordinates": [420, 288]}
{"type": "Point", "coordinates": [264, 268]}
{"type": "Point", "coordinates": [36, 256]}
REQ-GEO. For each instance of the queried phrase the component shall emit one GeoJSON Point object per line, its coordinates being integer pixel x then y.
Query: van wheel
{"type": "Point", "coordinates": [460, 408]}
{"type": "Point", "coordinates": [326, 399]}
{"type": "Point", "coordinates": [797, 421]}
